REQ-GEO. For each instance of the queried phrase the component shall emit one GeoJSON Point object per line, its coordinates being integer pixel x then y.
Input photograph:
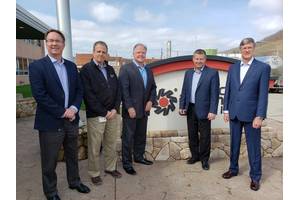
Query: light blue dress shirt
{"type": "Point", "coordinates": [143, 72]}
{"type": "Point", "coordinates": [102, 68]}
{"type": "Point", "coordinates": [63, 77]}
{"type": "Point", "coordinates": [196, 78]}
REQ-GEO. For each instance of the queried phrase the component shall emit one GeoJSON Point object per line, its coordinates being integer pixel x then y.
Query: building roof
{"type": "Point", "coordinates": [28, 26]}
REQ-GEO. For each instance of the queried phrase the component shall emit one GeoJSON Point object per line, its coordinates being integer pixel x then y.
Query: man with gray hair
{"type": "Point", "coordinates": [245, 106]}
{"type": "Point", "coordinates": [102, 98]}
{"type": "Point", "coordinates": [138, 95]}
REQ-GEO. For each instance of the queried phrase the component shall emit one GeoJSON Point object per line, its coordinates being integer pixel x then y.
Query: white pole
{"type": "Point", "coordinates": [64, 25]}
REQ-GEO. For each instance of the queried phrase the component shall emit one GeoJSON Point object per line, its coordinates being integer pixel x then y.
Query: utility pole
{"type": "Point", "coordinates": [169, 49]}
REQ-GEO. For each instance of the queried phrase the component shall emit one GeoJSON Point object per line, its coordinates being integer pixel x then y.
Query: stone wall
{"type": "Point", "coordinates": [25, 107]}
{"type": "Point", "coordinates": [82, 145]}
{"type": "Point", "coordinates": [173, 144]}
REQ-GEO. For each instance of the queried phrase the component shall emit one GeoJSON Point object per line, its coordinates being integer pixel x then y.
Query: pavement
{"type": "Point", "coordinates": [164, 180]}
{"type": "Point", "coordinates": [275, 107]}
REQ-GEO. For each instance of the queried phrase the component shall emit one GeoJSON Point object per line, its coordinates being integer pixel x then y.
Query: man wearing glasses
{"type": "Point", "coordinates": [57, 89]}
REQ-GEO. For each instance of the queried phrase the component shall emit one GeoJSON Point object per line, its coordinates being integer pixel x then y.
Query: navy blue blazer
{"type": "Point", "coordinates": [248, 99]}
{"type": "Point", "coordinates": [207, 92]}
{"type": "Point", "coordinates": [134, 94]}
{"type": "Point", "coordinates": [49, 94]}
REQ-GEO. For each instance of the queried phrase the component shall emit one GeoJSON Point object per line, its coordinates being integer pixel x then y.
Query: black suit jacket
{"type": "Point", "coordinates": [100, 95]}
{"type": "Point", "coordinates": [49, 94]}
{"type": "Point", "coordinates": [134, 94]}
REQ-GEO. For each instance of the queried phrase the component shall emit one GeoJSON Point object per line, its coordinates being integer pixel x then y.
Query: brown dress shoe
{"type": "Point", "coordinates": [96, 180]}
{"type": "Point", "coordinates": [254, 185]}
{"type": "Point", "coordinates": [114, 173]}
{"type": "Point", "coordinates": [228, 174]}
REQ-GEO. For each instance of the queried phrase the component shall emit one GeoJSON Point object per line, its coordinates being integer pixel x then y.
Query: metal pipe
{"type": "Point", "coordinates": [64, 25]}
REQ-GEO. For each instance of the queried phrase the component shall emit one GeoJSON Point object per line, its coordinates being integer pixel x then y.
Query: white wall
{"type": "Point", "coordinates": [173, 121]}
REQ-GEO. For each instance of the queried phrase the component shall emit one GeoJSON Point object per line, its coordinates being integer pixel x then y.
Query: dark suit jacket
{"type": "Point", "coordinates": [49, 94]}
{"type": "Point", "coordinates": [248, 99]}
{"type": "Point", "coordinates": [133, 91]}
{"type": "Point", "coordinates": [207, 92]}
{"type": "Point", "coordinates": [100, 95]}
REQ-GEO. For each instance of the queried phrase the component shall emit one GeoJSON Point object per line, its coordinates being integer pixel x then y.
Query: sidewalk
{"type": "Point", "coordinates": [173, 180]}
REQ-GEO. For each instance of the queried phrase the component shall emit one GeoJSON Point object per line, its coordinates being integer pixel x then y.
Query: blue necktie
{"type": "Point", "coordinates": [144, 75]}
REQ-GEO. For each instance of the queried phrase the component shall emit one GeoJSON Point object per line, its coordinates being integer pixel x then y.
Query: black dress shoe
{"type": "Point", "coordinates": [205, 165]}
{"type": "Point", "coordinates": [55, 197]}
{"type": "Point", "coordinates": [144, 162]}
{"type": "Point", "coordinates": [229, 174]}
{"type": "Point", "coordinates": [130, 171]}
{"type": "Point", "coordinates": [80, 188]}
{"type": "Point", "coordinates": [192, 161]}
{"type": "Point", "coordinates": [254, 185]}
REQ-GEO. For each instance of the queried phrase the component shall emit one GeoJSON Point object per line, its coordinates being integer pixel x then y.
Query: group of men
{"type": "Point", "coordinates": [58, 89]}
{"type": "Point", "coordinates": [245, 106]}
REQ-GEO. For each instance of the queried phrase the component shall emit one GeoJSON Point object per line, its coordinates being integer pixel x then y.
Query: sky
{"type": "Point", "coordinates": [189, 24]}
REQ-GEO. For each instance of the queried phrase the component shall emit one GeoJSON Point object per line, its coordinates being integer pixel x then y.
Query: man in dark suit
{"type": "Point", "coordinates": [102, 99]}
{"type": "Point", "coordinates": [57, 89]}
{"type": "Point", "coordinates": [138, 95]}
{"type": "Point", "coordinates": [199, 101]}
{"type": "Point", "coordinates": [245, 105]}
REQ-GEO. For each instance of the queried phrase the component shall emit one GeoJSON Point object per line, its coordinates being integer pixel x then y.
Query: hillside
{"type": "Point", "coordinates": [270, 45]}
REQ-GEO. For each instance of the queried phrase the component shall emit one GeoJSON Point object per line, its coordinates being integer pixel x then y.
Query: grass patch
{"type": "Point", "coordinates": [25, 90]}
{"type": "Point", "coordinates": [82, 107]}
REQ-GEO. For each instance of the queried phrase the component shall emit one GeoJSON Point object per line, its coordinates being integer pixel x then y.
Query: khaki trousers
{"type": "Point", "coordinates": [104, 133]}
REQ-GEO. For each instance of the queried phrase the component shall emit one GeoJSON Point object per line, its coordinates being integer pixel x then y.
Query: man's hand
{"type": "Point", "coordinates": [257, 122]}
{"type": "Point", "coordinates": [112, 114]}
{"type": "Point", "coordinates": [182, 111]}
{"type": "Point", "coordinates": [69, 113]}
{"type": "Point", "coordinates": [132, 113]}
{"type": "Point", "coordinates": [211, 116]}
{"type": "Point", "coordinates": [107, 114]}
{"type": "Point", "coordinates": [226, 117]}
{"type": "Point", "coordinates": [148, 106]}
{"type": "Point", "coordinates": [72, 118]}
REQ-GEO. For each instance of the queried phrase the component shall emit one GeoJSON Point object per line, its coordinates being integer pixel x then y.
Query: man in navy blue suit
{"type": "Point", "coordinates": [245, 106]}
{"type": "Point", "coordinates": [199, 101]}
{"type": "Point", "coordinates": [57, 89]}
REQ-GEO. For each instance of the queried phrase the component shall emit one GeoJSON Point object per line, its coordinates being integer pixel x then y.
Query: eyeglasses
{"type": "Point", "coordinates": [54, 41]}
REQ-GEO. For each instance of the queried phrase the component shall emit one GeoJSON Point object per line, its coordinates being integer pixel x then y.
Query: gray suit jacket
{"type": "Point", "coordinates": [134, 94]}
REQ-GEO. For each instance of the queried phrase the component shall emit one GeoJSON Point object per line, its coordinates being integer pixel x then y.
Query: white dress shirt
{"type": "Point", "coordinates": [244, 69]}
